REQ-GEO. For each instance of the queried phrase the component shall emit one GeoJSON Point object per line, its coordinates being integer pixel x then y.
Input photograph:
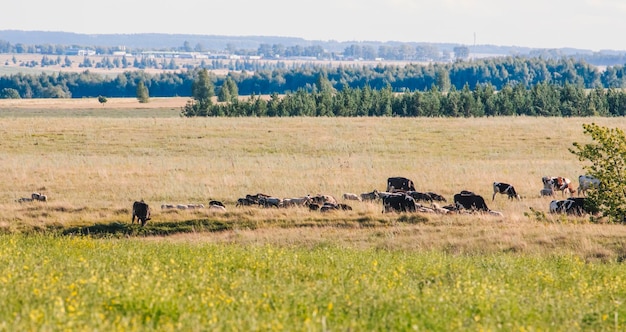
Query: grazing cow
{"type": "Point", "coordinates": [562, 184]}
{"type": "Point", "coordinates": [298, 201]}
{"type": "Point", "coordinates": [470, 201]}
{"type": "Point", "coordinates": [571, 205]}
{"type": "Point", "coordinates": [39, 197]}
{"type": "Point", "coordinates": [436, 197]}
{"type": "Point", "coordinates": [399, 203]}
{"type": "Point", "coordinates": [351, 197]}
{"type": "Point", "coordinates": [270, 202]}
{"type": "Point", "coordinates": [419, 196]}
{"type": "Point", "coordinates": [245, 202]}
{"type": "Point", "coordinates": [586, 182]}
{"type": "Point", "coordinates": [141, 211]}
{"type": "Point", "coordinates": [399, 184]}
{"type": "Point", "coordinates": [371, 196]}
{"type": "Point", "coordinates": [504, 188]}
{"type": "Point", "coordinates": [167, 206]}
{"type": "Point", "coordinates": [256, 198]}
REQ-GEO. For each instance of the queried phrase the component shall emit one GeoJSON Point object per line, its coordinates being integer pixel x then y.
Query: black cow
{"type": "Point", "coordinates": [470, 201]}
{"type": "Point", "coordinates": [141, 210]}
{"type": "Point", "coordinates": [399, 184]}
{"type": "Point", "coordinates": [399, 203]}
{"type": "Point", "coordinates": [419, 196]}
{"type": "Point", "coordinates": [436, 197]}
{"type": "Point", "coordinates": [505, 189]}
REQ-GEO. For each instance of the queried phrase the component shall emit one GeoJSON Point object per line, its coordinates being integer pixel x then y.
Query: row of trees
{"type": "Point", "coordinates": [543, 99]}
{"type": "Point", "coordinates": [497, 72]}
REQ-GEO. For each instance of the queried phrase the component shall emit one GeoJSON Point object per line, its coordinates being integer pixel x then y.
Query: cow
{"type": "Point", "coordinates": [255, 198]}
{"type": "Point", "coordinates": [297, 201]}
{"type": "Point", "coordinates": [329, 206]}
{"type": "Point", "coordinates": [322, 199]}
{"type": "Point", "coordinates": [505, 189]}
{"type": "Point", "coordinates": [270, 202]}
{"type": "Point", "coordinates": [218, 208]}
{"type": "Point", "coordinates": [351, 197]}
{"type": "Point", "coordinates": [39, 197]}
{"type": "Point", "coordinates": [399, 203]}
{"type": "Point", "coordinates": [562, 184]}
{"type": "Point", "coordinates": [436, 197]}
{"type": "Point", "coordinates": [419, 196]}
{"type": "Point", "coordinates": [218, 203]}
{"type": "Point", "coordinates": [399, 184]}
{"type": "Point", "coordinates": [470, 201]}
{"type": "Point", "coordinates": [370, 196]}
{"type": "Point", "coordinates": [141, 211]}
{"type": "Point", "coordinates": [572, 205]}
{"type": "Point", "coordinates": [548, 188]}
{"type": "Point", "coordinates": [244, 201]}
{"type": "Point", "coordinates": [586, 182]}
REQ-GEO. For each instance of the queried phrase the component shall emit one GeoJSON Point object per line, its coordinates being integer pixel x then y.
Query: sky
{"type": "Point", "coordinates": [585, 24]}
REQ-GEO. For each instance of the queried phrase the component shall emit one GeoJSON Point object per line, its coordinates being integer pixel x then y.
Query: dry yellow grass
{"type": "Point", "coordinates": [93, 168]}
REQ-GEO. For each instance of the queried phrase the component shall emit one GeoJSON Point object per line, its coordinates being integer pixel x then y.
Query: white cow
{"type": "Point", "coordinates": [586, 182]}
{"type": "Point", "coordinates": [351, 196]}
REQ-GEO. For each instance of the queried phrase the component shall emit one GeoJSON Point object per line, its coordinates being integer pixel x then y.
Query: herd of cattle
{"type": "Point", "coordinates": [401, 196]}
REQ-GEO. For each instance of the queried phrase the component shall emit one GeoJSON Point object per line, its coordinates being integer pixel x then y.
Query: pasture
{"type": "Point", "coordinates": [252, 268]}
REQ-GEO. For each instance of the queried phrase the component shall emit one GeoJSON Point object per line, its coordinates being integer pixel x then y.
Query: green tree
{"type": "Point", "coordinates": [142, 93]}
{"type": "Point", "coordinates": [201, 92]}
{"type": "Point", "coordinates": [228, 91]}
{"type": "Point", "coordinates": [9, 93]}
{"type": "Point", "coordinates": [443, 80]}
{"type": "Point", "coordinates": [607, 157]}
{"type": "Point", "coordinates": [102, 100]}
{"type": "Point", "coordinates": [202, 87]}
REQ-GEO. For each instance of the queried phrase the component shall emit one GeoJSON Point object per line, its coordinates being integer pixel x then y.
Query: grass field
{"type": "Point", "coordinates": [294, 269]}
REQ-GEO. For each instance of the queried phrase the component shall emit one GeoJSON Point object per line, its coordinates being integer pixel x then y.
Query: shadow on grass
{"type": "Point", "coordinates": [117, 229]}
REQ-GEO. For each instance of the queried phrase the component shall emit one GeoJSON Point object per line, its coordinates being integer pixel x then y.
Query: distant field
{"type": "Point", "coordinates": [90, 107]}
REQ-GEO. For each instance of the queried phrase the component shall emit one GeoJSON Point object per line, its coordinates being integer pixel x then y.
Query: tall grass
{"type": "Point", "coordinates": [74, 283]}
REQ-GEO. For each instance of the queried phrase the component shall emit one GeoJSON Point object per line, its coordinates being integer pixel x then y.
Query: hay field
{"type": "Point", "coordinates": [93, 167]}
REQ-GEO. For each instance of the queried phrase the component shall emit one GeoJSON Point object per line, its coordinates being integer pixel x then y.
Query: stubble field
{"type": "Point", "coordinates": [425, 271]}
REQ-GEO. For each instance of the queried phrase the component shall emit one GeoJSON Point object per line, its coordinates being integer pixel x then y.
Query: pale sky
{"type": "Point", "coordinates": [586, 24]}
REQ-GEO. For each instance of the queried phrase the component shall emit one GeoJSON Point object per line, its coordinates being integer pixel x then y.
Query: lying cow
{"type": "Point", "coordinates": [504, 189]}
{"type": "Point", "coordinates": [436, 197]}
{"type": "Point", "coordinates": [586, 182]}
{"type": "Point", "coordinates": [420, 196]}
{"type": "Point", "coordinates": [141, 211]}
{"type": "Point", "coordinates": [573, 205]}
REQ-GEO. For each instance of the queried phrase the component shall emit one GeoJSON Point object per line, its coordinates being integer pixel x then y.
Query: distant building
{"type": "Point", "coordinates": [79, 51]}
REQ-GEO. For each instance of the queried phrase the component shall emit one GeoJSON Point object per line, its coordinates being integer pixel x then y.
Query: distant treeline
{"type": "Point", "coordinates": [542, 99]}
{"type": "Point", "coordinates": [496, 72]}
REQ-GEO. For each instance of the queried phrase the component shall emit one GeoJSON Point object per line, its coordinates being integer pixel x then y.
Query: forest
{"type": "Point", "coordinates": [495, 86]}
